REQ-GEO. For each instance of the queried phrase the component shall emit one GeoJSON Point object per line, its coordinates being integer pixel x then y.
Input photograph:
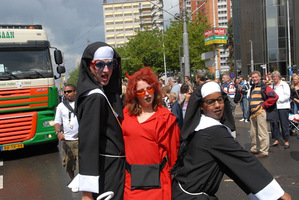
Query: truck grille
{"type": "Point", "coordinates": [17, 127]}
{"type": "Point", "coordinates": [23, 99]}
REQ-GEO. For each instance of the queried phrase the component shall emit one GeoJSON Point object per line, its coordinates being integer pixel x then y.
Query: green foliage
{"type": "Point", "coordinates": [145, 49]}
{"type": "Point", "coordinates": [74, 75]}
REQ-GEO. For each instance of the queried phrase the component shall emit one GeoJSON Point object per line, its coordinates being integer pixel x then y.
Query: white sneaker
{"type": "Point", "coordinates": [241, 120]}
{"type": "Point", "coordinates": [75, 189]}
{"type": "Point", "coordinates": [247, 120]}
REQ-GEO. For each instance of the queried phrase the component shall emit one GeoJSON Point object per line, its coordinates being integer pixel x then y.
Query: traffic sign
{"type": "Point", "coordinates": [232, 74]}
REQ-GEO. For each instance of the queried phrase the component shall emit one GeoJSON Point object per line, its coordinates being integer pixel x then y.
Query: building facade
{"type": "Point", "coordinates": [124, 18]}
{"type": "Point", "coordinates": [217, 16]}
{"type": "Point", "coordinates": [265, 36]}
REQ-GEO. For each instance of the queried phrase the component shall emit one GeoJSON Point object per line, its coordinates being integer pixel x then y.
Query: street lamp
{"type": "Point", "coordinates": [186, 42]}
{"type": "Point", "coordinates": [251, 53]}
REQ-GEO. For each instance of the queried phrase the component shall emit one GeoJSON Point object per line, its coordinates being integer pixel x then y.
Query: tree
{"type": "Point", "coordinates": [74, 75]}
{"type": "Point", "coordinates": [145, 49]}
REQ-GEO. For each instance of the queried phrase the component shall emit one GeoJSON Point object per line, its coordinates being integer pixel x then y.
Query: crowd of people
{"type": "Point", "coordinates": [150, 138]}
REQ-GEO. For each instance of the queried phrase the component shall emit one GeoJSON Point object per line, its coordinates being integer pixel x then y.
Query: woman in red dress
{"type": "Point", "coordinates": [151, 138]}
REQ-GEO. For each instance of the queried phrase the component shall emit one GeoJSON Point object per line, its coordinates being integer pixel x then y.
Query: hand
{"type": "Point", "coordinates": [87, 196]}
{"type": "Point", "coordinates": [60, 136]}
{"type": "Point", "coordinates": [285, 196]}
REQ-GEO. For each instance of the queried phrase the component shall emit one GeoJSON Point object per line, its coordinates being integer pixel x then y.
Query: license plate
{"type": "Point", "coordinates": [12, 147]}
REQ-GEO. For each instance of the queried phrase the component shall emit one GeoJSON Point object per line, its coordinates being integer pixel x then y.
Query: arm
{"type": "Point", "coordinates": [168, 137]}
{"type": "Point", "coordinates": [243, 167]}
{"type": "Point", "coordinates": [272, 97]}
{"type": "Point", "coordinates": [58, 122]}
{"type": "Point", "coordinates": [286, 93]}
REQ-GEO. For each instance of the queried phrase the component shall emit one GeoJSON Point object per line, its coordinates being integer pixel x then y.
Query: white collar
{"type": "Point", "coordinates": [206, 122]}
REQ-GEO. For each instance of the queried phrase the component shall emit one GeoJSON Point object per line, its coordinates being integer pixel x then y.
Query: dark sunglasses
{"type": "Point", "coordinates": [100, 65]}
{"type": "Point", "coordinates": [68, 91]}
{"type": "Point", "coordinates": [149, 89]}
{"type": "Point", "coordinates": [211, 102]}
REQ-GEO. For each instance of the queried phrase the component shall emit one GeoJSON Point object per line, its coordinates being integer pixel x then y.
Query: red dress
{"type": "Point", "coordinates": [148, 143]}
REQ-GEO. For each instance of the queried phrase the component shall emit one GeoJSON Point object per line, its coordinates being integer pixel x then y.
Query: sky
{"type": "Point", "coordinates": [69, 24]}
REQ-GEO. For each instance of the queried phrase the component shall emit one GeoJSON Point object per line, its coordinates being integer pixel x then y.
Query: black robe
{"type": "Point", "coordinates": [100, 134]}
{"type": "Point", "coordinates": [211, 153]}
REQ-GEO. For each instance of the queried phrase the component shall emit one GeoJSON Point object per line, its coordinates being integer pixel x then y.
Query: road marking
{"type": "Point", "coordinates": [1, 176]}
{"type": "Point", "coordinates": [1, 182]}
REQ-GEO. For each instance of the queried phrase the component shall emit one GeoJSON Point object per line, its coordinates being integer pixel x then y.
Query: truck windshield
{"type": "Point", "coordinates": [25, 64]}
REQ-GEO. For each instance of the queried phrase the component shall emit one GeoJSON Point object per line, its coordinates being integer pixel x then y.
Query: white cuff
{"type": "Point", "coordinates": [271, 191]}
{"type": "Point", "coordinates": [89, 183]}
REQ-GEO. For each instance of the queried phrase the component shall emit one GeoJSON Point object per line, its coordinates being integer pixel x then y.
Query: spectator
{"type": "Point", "coordinates": [200, 78]}
{"type": "Point", "coordinates": [176, 109]}
{"type": "Point", "coordinates": [151, 138]}
{"type": "Point", "coordinates": [165, 97]}
{"type": "Point", "coordinates": [244, 101]}
{"type": "Point", "coordinates": [188, 81]}
{"type": "Point", "coordinates": [99, 107]}
{"type": "Point", "coordinates": [208, 150]}
{"type": "Point", "coordinates": [66, 127]}
{"type": "Point", "coordinates": [282, 89]}
{"type": "Point", "coordinates": [175, 87]}
{"type": "Point", "coordinates": [295, 94]}
{"type": "Point", "coordinates": [262, 97]}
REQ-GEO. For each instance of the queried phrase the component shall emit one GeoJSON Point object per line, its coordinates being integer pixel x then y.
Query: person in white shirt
{"type": "Point", "coordinates": [282, 89]}
{"type": "Point", "coordinates": [66, 127]}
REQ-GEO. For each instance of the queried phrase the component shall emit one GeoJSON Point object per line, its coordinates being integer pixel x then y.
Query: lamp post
{"type": "Point", "coordinates": [251, 53]}
{"type": "Point", "coordinates": [186, 42]}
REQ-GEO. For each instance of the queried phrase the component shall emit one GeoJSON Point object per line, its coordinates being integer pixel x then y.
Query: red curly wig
{"type": "Point", "coordinates": [145, 74]}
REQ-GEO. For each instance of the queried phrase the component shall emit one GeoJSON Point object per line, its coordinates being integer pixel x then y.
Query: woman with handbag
{"type": "Point", "coordinates": [151, 137]}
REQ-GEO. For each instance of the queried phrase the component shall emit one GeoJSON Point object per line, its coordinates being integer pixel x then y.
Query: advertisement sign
{"type": "Point", "coordinates": [216, 36]}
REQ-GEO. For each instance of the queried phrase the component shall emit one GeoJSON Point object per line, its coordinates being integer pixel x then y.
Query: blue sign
{"type": "Point", "coordinates": [232, 75]}
{"type": "Point", "coordinates": [291, 72]}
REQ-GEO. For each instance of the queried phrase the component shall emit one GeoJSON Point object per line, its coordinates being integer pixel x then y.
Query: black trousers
{"type": "Point", "coordinates": [281, 128]}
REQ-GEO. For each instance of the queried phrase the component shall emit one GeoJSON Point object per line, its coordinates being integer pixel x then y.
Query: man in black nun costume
{"type": "Point", "coordinates": [208, 150]}
{"type": "Point", "coordinates": [99, 109]}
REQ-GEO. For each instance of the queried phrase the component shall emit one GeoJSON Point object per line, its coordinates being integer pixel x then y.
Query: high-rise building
{"type": "Point", "coordinates": [123, 18]}
{"type": "Point", "coordinates": [265, 35]}
{"type": "Point", "coordinates": [217, 16]}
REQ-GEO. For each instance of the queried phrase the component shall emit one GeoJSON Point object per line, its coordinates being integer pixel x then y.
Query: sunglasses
{"type": "Point", "coordinates": [211, 102]}
{"type": "Point", "coordinates": [68, 91]}
{"type": "Point", "coordinates": [141, 93]}
{"type": "Point", "coordinates": [100, 65]}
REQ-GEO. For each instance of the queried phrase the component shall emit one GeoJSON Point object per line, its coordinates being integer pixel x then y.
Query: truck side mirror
{"type": "Point", "coordinates": [60, 69]}
{"type": "Point", "coordinates": [58, 57]}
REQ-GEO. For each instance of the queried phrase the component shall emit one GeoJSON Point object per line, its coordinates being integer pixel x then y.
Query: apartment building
{"type": "Point", "coordinates": [217, 16]}
{"type": "Point", "coordinates": [124, 18]}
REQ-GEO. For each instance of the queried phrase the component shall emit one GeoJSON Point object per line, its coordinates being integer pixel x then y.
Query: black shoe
{"type": "Point", "coordinates": [286, 146]}
{"type": "Point", "coordinates": [274, 144]}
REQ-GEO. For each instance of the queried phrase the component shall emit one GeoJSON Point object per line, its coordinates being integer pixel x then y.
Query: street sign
{"type": "Point", "coordinates": [232, 75]}
{"type": "Point", "coordinates": [216, 36]}
{"type": "Point", "coordinates": [208, 55]}
{"type": "Point", "coordinates": [209, 63]}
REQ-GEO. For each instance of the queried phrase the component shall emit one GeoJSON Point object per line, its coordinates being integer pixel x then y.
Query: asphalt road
{"type": "Point", "coordinates": [36, 173]}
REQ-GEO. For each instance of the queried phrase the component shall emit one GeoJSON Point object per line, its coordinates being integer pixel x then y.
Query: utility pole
{"type": "Point", "coordinates": [289, 40]}
{"type": "Point", "coordinates": [251, 53]}
{"type": "Point", "coordinates": [186, 42]}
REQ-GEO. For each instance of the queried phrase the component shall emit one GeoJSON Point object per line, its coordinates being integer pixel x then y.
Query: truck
{"type": "Point", "coordinates": [28, 95]}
